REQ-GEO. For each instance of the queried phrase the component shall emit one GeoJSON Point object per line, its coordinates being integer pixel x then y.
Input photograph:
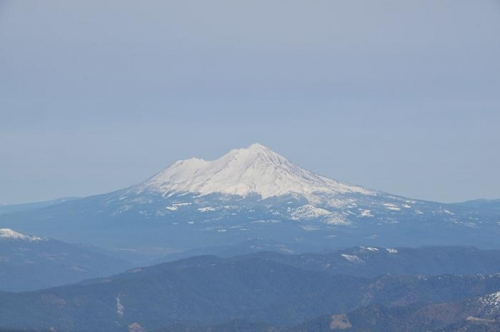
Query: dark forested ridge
{"type": "Point", "coordinates": [262, 292]}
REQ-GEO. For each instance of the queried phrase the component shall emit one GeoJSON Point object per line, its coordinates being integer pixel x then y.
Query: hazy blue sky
{"type": "Point", "coordinates": [400, 96]}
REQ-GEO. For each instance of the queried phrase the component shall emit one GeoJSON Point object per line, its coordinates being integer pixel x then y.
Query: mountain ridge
{"type": "Point", "coordinates": [208, 290]}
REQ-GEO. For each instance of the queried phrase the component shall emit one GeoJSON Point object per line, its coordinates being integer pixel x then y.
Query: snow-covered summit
{"type": "Point", "coordinates": [7, 233]}
{"type": "Point", "coordinates": [254, 170]}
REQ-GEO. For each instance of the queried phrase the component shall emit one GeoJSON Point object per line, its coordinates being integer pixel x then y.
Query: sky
{"type": "Point", "coordinates": [399, 96]}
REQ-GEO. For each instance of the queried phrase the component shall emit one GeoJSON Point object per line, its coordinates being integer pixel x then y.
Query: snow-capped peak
{"type": "Point", "coordinates": [7, 233]}
{"type": "Point", "coordinates": [254, 170]}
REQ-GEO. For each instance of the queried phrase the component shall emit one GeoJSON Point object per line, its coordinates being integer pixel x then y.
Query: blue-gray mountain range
{"type": "Point", "coordinates": [255, 194]}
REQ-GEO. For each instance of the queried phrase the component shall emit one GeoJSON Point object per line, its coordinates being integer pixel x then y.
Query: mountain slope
{"type": "Point", "coordinates": [210, 291]}
{"type": "Point", "coordinates": [472, 314]}
{"type": "Point", "coordinates": [30, 262]}
{"type": "Point", "coordinates": [6, 209]}
{"type": "Point", "coordinates": [200, 290]}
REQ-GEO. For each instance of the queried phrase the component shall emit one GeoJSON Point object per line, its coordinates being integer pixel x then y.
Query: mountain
{"type": "Point", "coordinates": [6, 209]}
{"type": "Point", "coordinates": [370, 262]}
{"type": "Point", "coordinates": [486, 204]}
{"type": "Point", "coordinates": [209, 291]}
{"type": "Point", "coordinates": [254, 194]}
{"type": "Point", "coordinates": [201, 290]}
{"type": "Point", "coordinates": [480, 313]}
{"type": "Point", "coordinates": [30, 262]}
